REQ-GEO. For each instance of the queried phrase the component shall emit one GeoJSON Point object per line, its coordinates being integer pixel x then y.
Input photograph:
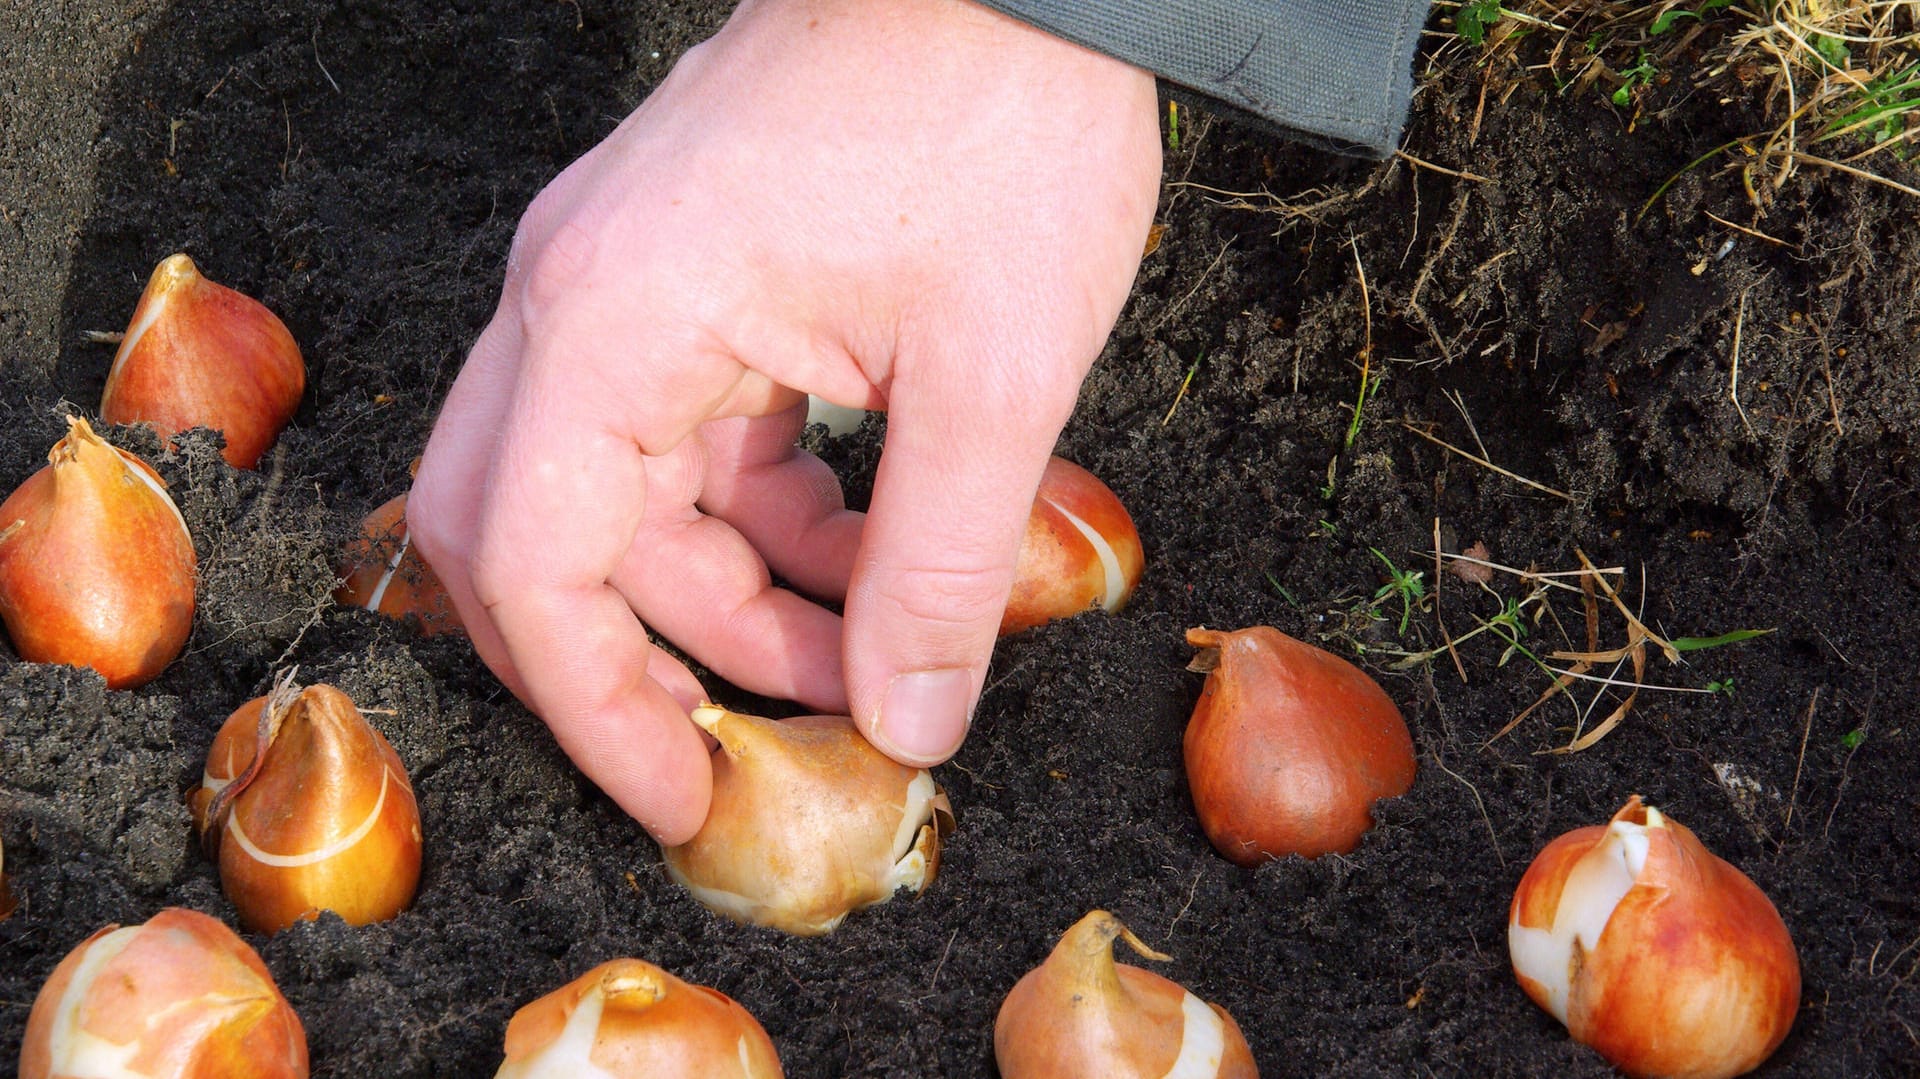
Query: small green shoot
{"type": "Point", "coordinates": [1667, 19]}
{"type": "Point", "coordinates": [1882, 114]}
{"type": "Point", "coordinates": [1185, 384]}
{"type": "Point", "coordinates": [1640, 74]}
{"type": "Point", "coordinates": [1411, 587]}
{"type": "Point", "coordinates": [1833, 50]}
{"type": "Point", "coordinates": [1368, 383]}
{"type": "Point", "coordinates": [1282, 589]}
{"type": "Point", "coordinates": [1853, 738]}
{"type": "Point", "coordinates": [1510, 627]}
{"type": "Point", "coordinates": [1475, 17]}
{"type": "Point", "coordinates": [1695, 644]}
{"type": "Point", "coordinates": [1173, 126]}
{"type": "Point", "coordinates": [1722, 686]}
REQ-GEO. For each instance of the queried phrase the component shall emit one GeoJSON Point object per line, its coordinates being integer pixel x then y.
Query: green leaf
{"type": "Point", "coordinates": [1853, 738]}
{"type": "Point", "coordinates": [1474, 17]}
{"type": "Point", "coordinates": [1695, 644]}
{"type": "Point", "coordinates": [1831, 49]}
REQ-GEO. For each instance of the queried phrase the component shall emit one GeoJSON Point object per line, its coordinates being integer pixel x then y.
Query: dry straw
{"type": "Point", "coordinates": [1837, 81]}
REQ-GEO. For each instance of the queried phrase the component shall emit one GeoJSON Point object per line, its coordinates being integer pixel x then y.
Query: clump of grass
{"type": "Point", "coordinates": [1838, 81]}
{"type": "Point", "coordinates": [1600, 684]}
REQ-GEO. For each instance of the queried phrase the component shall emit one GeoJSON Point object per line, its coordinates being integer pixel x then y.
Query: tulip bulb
{"type": "Point", "coordinates": [178, 997]}
{"type": "Point", "coordinates": [1289, 747]}
{"type": "Point", "coordinates": [1653, 951]}
{"type": "Point", "coordinates": [628, 1019]}
{"type": "Point", "coordinates": [383, 573]}
{"type": "Point", "coordinates": [1080, 550]}
{"type": "Point", "coordinates": [198, 354]}
{"type": "Point", "coordinates": [305, 807]}
{"type": "Point", "coordinates": [96, 566]}
{"type": "Point", "coordinates": [808, 822]}
{"type": "Point", "coordinates": [1079, 1014]}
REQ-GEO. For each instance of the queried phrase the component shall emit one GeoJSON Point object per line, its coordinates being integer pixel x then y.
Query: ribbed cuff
{"type": "Point", "coordinates": [1337, 73]}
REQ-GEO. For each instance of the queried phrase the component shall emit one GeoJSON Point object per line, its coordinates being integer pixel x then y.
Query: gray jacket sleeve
{"type": "Point", "coordinates": [1337, 73]}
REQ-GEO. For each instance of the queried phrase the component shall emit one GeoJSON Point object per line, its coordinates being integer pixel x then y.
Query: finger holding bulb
{"type": "Point", "coordinates": [1664, 958]}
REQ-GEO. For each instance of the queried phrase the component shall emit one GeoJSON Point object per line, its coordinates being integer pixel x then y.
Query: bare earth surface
{"type": "Point", "coordinates": [360, 166]}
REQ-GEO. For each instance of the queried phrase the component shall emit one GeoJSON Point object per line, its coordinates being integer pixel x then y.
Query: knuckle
{"type": "Point", "coordinates": [493, 574]}
{"type": "Point", "coordinates": [556, 268]}
{"type": "Point", "coordinates": [959, 597]}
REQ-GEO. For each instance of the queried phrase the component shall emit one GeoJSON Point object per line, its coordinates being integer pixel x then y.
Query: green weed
{"type": "Point", "coordinates": [1475, 17]}
{"type": "Point", "coordinates": [1409, 587]}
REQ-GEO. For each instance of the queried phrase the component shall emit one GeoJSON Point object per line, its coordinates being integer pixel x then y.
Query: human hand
{"type": "Point", "coordinates": [916, 205]}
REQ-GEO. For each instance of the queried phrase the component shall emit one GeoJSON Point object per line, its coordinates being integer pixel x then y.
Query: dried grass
{"type": "Point", "coordinates": [1837, 81]}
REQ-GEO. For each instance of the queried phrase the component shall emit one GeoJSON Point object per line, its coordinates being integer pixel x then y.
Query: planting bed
{"type": "Point", "coordinates": [360, 168]}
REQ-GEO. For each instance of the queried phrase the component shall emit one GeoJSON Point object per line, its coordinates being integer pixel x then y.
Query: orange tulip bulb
{"type": "Point", "coordinates": [180, 997]}
{"type": "Point", "coordinates": [1080, 1015]}
{"type": "Point", "coordinates": [1289, 747]}
{"type": "Point", "coordinates": [198, 354]}
{"type": "Point", "coordinates": [628, 1019]}
{"type": "Point", "coordinates": [305, 807]}
{"type": "Point", "coordinates": [1665, 959]}
{"type": "Point", "coordinates": [1080, 551]}
{"type": "Point", "coordinates": [384, 574]}
{"type": "Point", "coordinates": [96, 565]}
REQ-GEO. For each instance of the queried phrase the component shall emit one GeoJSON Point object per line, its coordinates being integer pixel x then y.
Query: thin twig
{"type": "Point", "coordinates": [1182, 301]}
{"type": "Point", "coordinates": [1366, 348]}
{"type": "Point", "coordinates": [1484, 463]}
{"type": "Point", "coordinates": [934, 982]}
{"type": "Point", "coordinates": [1829, 163]}
{"type": "Point", "coordinates": [1441, 169]}
{"type": "Point", "coordinates": [1184, 907]}
{"type": "Point", "coordinates": [1633, 620]}
{"type": "Point", "coordinates": [1755, 233]}
{"type": "Point", "coordinates": [1439, 572]}
{"type": "Point", "coordinates": [1806, 730]}
{"type": "Point", "coordinates": [1733, 381]}
{"type": "Point", "coordinates": [1492, 836]}
{"type": "Point", "coordinates": [1182, 395]}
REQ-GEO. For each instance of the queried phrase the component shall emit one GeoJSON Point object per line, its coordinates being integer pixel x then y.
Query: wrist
{"type": "Point", "coordinates": [929, 39]}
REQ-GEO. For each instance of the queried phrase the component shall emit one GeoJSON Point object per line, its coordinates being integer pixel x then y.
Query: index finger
{"type": "Point", "coordinates": [564, 498]}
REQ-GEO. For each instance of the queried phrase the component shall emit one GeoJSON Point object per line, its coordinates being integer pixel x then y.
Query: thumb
{"type": "Point", "coordinates": [966, 445]}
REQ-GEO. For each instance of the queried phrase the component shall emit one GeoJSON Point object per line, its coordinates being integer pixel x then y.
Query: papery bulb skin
{"type": "Point", "coordinates": [326, 822]}
{"type": "Point", "coordinates": [96, 565]}
{"type": "Point", "coordinates": [1667, 960]}
{"type": "Point", "coordinates": [1289, 747]}
{"type": "Point", "coordinates": [1080, 1015]}
{"type": "Point", "coordinates": [199, 354]}
{"type": "Point", "coordinates": [383, 573]}
{"type": "Point", "coordinates": [808, 822]}
{"type": "Point", "coordinates": [628, 1019]}
{"type": "Point", "coordinates": [180, 997]}
{"type": "Point", "coordinates": [1080, 551]}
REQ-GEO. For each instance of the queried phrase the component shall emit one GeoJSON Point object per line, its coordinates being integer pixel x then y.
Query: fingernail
{"type": "Point", "coordinates": [925, 715]}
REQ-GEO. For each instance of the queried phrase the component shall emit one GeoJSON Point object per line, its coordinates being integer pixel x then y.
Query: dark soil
{"type": "Point", "coordinates": [360, 166]}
